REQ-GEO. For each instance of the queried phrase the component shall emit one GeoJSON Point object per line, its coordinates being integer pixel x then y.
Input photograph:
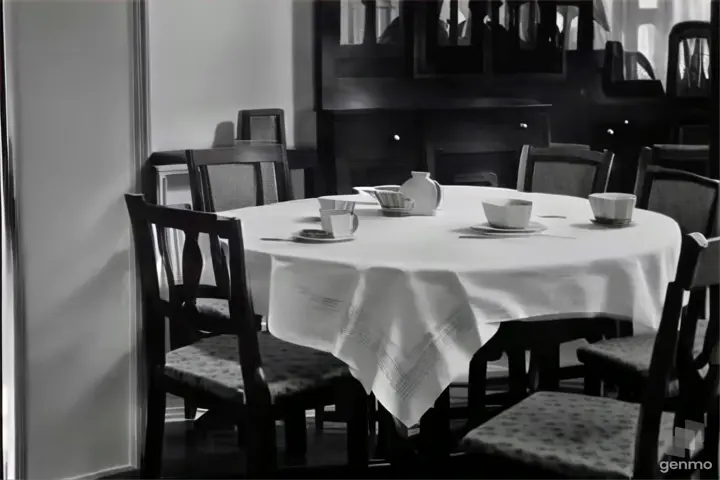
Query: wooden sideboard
{"type": "Point", "coordinates": [360, 147]}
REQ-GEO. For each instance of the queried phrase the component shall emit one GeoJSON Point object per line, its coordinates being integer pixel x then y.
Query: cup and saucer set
{"type": "Point", "coordinates": [338, 223]}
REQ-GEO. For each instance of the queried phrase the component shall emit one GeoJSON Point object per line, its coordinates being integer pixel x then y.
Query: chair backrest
{"type": "Point", "coordinates": [697, 269]}
{"type": "Point", "coordinates": [561, 170]}
{"type": "Point", "coordinates": [691, 158]}
{"type": "Point", "coordinates": [262, 124]}
{"type": "Point", "coordinates": [145, 218]}
{"type": "Point", "coordinates": [691, 200]}
{"type": "Point", "coordinates": [227, 178]}
{"type": "Point", "coordinates": [688, 73]}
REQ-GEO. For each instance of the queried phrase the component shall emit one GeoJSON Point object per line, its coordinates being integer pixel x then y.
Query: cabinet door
{"type": "Point", "coordinates": [362, 38]}
{"type": "Point", "coordinates": [453, 36]}
{"type": "Point", "coordinates": [375, 149]}
{"type": "Point", "coordinates": [465, 147]}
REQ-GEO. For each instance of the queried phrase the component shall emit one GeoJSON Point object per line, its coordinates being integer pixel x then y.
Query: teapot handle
{"type": "Point", "coordinates": [438, 189]}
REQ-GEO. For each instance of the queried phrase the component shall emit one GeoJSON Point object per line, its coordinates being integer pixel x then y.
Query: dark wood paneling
{"type": "Point", "coordinates": [382, 146]}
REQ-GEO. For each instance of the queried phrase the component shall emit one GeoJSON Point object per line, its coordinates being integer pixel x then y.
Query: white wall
{"type": "Point", "coordinates": [209, 59]}
{"type": "Point", "coordinates": [71, 94]}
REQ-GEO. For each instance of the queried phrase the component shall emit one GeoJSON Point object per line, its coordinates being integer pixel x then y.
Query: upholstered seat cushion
{"type": "Point", "coordinates": [214, 307]}
{"type": "Point", "coordinates": [568, 434]}
{"type": "Point", "coordinates": [631, 353]}
{"type": "Point", "coordinates": [212, 364]}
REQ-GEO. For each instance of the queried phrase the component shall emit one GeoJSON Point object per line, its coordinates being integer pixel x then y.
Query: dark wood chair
{"type": "Point", "coordinates": [573, 170]}
{"type": "Point", "coordinates": [687, 74]}
{"type": "Point", "coordinates": [564, 170]}
{"type": "Point", "coordinates": [615, 82]}
{"type": "Point", "coordinates": [247, 174]}
{"type": "Point", "coordinates": [251, 377]}
{"type": "Point", "coordinates": [225, 178]}
{"type": "Point", "coordinates": [551, 435]}
{"type": "Point", "coordinates": [691, 158]}
{"type": "Point", "coordinates": [266, 124]}
{"type": "Point", "coordinates": [692, 201]}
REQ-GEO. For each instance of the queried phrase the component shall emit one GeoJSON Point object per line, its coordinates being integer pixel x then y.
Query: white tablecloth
{"type": "Point", "coordinates": [408, 302]}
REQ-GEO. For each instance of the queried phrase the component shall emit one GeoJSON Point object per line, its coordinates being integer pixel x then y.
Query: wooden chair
{"type": "Point", "coordinates": [577, 172]}
{"type": "Point", "coordinates": [687, 75]}
{"type": "Point", "coordinates": [691, 158]}
{"type": "Point", "coordinates": [228, 178]}
{"type": "Point", "coordinates": [251, 377]}
{"type": "Point", "coordinates": [225, 178]}
{"type": "Point", "coordinates": [262, 125]}
{"type": "Point", "coordinates": [692, 201]}
{"type": "Point", "coordinates": [551, 435]}
{"type": "Point", "coordinates": [572, 170]}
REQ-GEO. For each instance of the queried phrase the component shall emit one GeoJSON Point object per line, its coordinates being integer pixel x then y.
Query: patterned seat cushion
{"type": "Point", "coordinates": [213, 307]}
{"type": "Point", "coordinates": [631, 353]}
{"type": "Point", "coordinates": [212, 364]}
{"type": "Point", "coordinates": [569, 434]}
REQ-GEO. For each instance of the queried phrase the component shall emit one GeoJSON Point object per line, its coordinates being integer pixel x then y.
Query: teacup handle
{"type": "Point", "coordinates": [356, 222]}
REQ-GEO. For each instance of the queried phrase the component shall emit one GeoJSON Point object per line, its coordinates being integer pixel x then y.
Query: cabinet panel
{"type": "Point", "coordinates": [375, 148]}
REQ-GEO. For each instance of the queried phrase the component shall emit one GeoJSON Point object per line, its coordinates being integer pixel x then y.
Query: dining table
{"type": "Point", "coordinates": [409, 300]}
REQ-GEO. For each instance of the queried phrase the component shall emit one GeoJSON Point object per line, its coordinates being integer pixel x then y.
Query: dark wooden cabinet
{"type": "Point", "coordinates": [382, 146]}
{"type": "Point", "coordinates": [477, 79]}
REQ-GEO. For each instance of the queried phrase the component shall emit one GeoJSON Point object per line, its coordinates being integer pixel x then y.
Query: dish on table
{"type": "Point", "coordinates": [487, 229]}
{"type": "Point", "coordinates": [319, 236]}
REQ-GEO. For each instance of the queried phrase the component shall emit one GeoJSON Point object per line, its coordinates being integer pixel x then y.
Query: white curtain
{"type": "Point", "coordinates": [644, 26]}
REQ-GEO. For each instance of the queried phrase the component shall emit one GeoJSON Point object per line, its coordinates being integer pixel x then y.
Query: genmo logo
{"type": "Point", "coordinates": [682, 442]}
{"type": "Point", "coordinates": [688, 465]}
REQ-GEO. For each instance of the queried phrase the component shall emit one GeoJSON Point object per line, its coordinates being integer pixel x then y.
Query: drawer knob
{"type": "Point", "coordinates": [523, 125]}
{"type": "Point", "coordinates": [396, 137]}
{"type": "Point", "coordinates": [610, 131]}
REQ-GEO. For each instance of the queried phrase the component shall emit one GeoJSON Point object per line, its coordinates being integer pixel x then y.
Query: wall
{"type": "Point", "coordinates": [210, 59]}
{"type": "Point", "coordinates": [69, 63]}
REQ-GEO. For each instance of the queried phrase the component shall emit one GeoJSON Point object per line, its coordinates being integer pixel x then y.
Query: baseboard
{"type": "Point", "coordinates": [123, 471]}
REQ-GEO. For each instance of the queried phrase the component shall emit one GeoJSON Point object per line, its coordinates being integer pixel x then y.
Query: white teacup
{"type": "Point", "coordinates": [613, 207]}
{"type": "Point", "coordinates": [508, 213]}
{"type": "Point", "coordinates": [336, 203]}
{"type": "Point", "coordinates": [340, 223]}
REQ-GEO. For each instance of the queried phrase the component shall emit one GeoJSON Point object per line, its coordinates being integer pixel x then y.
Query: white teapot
{"type": "Point", "coordinates": [426, 192]}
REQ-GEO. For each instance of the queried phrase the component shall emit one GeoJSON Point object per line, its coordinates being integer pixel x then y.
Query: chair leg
{"type": "Point", "coordinates": [319, 420]}
{"type": "Point", "coordinates": [435, 441]}
{"type": "Point", "coordinates": [712, 443]}
{"type": "Point", "coordinates": [295, 433]}
{"type": "Point", "coordinates": [261, 457]}
{"type": "Point", "coordinates": [190, 410]}
{"type": "Point", "coordinates": [477, 385]}
{"type": "Point", "coordinates": [518, 375]}
{"type": "Point", "coordinates": [151, 462]}
{"type": "Point", "coordinates": [358, 419]}
{"type": "Point", "coordinates": [592, 385]}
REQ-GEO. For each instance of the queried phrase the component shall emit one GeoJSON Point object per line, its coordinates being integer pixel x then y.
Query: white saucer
{"type": "Point", "coordinates": [612, 224]}
{"type": "Point", "coordinates": [487, 229]}
{"type": "Point", "coordinates": [299, 237]}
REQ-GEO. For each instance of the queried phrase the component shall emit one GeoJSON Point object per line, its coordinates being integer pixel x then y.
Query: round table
{"type": "Point", "coordinates": [410, 300]}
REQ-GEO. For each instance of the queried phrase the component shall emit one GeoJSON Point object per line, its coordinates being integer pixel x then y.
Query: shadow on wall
{"type": "Point", "coordinates": [224, 135]}
{"type": "Point", "coordinates": [302, 41]}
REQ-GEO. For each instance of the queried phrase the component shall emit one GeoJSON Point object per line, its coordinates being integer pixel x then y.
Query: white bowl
{"type": "Point", "coordinates": [372, 191]}
{"type": "Point", "coordinates": [508, 213]}
{"type": "Point", "coordinates": [336, 203]}
{"type": "Point", "coordinates": [613, 206]}
{"type": "Point", "coordinates": [392, 199]}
